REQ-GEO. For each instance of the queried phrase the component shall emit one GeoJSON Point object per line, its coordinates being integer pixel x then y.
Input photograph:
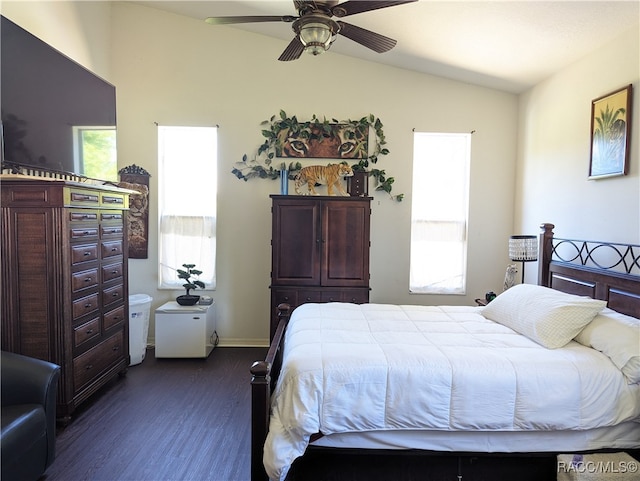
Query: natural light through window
{"type": "Point", "coordinates": [94, 152]}
{"type": "Point", "coordinates": [439, 212]}
{"type": "Point", "coordinates": [187, 166]}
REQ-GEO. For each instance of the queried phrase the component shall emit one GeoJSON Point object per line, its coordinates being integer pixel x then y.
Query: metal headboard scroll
{"type": "Point", "coordinates": [612, 256]}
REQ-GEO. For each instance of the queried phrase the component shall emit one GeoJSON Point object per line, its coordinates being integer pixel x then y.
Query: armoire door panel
{"type": "Point", "coordinates": [296, 254]}
{"type": "Point", "coordinates": [345, 245]}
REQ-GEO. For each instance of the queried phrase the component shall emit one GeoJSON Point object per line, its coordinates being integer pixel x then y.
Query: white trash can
{"type": "Point", "coordinates": [139, 309]}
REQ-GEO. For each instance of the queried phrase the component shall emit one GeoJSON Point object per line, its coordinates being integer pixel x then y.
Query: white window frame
{"type": "Point", "coordinates": [439, 213]}
{"type": "Point", "coordinates": [187, 212]}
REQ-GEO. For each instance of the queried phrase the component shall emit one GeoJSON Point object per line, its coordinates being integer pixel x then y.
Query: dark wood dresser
{"type": "Point", "coordinates": [320, 250]}
{"type": "Point", "coordinates": [64, 281]}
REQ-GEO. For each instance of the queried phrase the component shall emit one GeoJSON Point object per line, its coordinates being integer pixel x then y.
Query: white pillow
{"type": "Point", "coordinates": [546, 316]}
{"type": "Point", "coordinates": [618, 337]}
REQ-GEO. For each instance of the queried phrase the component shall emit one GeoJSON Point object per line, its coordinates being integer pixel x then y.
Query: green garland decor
{"type": "Point", "coordinates": [261, 165]}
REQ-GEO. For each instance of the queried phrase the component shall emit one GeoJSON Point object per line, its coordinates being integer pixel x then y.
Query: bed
{"type": "Point", "coordinates": [542, 369]}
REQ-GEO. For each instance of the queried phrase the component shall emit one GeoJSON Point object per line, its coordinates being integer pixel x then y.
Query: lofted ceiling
{"type": "Point", "coordinates": [506, 45]}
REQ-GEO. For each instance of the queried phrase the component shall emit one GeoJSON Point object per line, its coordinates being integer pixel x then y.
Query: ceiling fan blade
{"type": "Point", "coordinates": [293, 50]}
{"type": "Point", "coordinates": [249, 19]}
{"type": "Point", "coordinates": [374, 41]}
{"type": "Point", "coordinates": [351, 7]}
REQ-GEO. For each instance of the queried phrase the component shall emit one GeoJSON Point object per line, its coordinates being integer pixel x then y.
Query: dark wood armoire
{"type": "Point", "coordinates": [320, 250]}
{"type": "Point", "coordinates": [64, 281]}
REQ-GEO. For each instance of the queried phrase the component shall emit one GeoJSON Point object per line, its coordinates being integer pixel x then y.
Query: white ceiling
{"type": "Point", "coordinates": [506, 45]}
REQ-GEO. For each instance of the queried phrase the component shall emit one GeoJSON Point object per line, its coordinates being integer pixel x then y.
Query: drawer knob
{"type": "Point", "coordinates": [88, 367]}
{"type": "Point", "coordinates": [87, 305]}
{"type": "Point", "coordinates": [88, 279]}
{"type": "Point", "coordinates": [115, 294]}
{"type": "Point", "coordinates": [89, 331]}
{"type": "Point", "coordinates": [87, 254]}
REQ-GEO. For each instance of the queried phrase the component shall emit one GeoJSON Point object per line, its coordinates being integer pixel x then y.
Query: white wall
{"type": "Point", "coordinates": [554, 149]}
{"type": "Point", "coordinates": [81, 30]}
{"type": "Point", "coordinates": [175, 70]}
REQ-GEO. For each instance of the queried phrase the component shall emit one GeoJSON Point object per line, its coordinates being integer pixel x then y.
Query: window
{"type": "Point", "coordinates": [439, 212]}
{"type": "Point", "coordinates": [95, 152]}
{"type": "Point", "coordinates": [187, 161]}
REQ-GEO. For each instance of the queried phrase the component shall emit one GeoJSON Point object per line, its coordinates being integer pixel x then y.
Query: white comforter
{"type": "Point", "coordinates": [372, 367]}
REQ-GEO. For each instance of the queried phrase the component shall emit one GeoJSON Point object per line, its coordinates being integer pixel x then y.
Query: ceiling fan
{"type": "Point", "coordinates": [315, 29]}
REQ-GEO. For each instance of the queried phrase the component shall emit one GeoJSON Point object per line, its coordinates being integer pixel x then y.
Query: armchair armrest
{"type": "Point", "coordinates": [26, 380]}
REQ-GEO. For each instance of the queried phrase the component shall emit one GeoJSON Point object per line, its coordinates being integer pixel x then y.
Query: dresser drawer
{"type": "Point", "coordinates": [113, 294]}
{"type": "Point", "coordinates": [88, 366]}
{"type": "Point", "coordinates": [111, 249]}
{"type": "Point", "coordinates": [305, 296]}
{"type": "Point", "coordinates": [354, 296]}
{"type": "Point", "coordinates": [84, 233]}
{"type": "Point", "coordinates": [84, 280]}
{"type": "Point", "coordinates": [113, 199]}
{"type": "Point", "coordinates": [331, 296]}
{"type": "Point", "coordinates": [112, 271]}
{"type": "Point", "coordinates": [113, 318]}
{"type": "Point", "coordinates": [84, 253]}
{"type": "Point", "coordinates": [83, 197]}
{"type": "Point", "coordinates": [84, 306]}
{"type": "Point", "coordinates": [111, 231]}
{"type": "Point", "coordinates": [111, 215]}
{"type": "Point", "coordinates": [82, 215]}
{"type": "Point", "coordinates": [284, 296]}
{"type": "Point", "coordinates": [86, 331]}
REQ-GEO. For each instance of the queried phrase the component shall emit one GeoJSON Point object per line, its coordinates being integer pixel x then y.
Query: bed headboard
{"type": "Point", "coordinates": [601, 270]}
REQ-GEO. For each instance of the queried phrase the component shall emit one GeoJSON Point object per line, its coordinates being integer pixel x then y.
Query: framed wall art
{"type": "Point", "coordinates": [610, 134]}
{"type": "Point", "coordinates": [323, 141]}
{"type": "Point", "coordinates": [136, 178]}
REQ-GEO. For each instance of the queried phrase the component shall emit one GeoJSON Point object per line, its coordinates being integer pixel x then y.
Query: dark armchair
{"type": "Point", "coordinates": [29, 388]}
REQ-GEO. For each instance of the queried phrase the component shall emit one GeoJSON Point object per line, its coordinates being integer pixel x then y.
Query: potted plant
{"type": "Point", "coordinates": [186, 274]}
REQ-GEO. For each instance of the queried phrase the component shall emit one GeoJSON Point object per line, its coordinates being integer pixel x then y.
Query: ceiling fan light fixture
{"type": "Point", "coordinates": [316, 33]}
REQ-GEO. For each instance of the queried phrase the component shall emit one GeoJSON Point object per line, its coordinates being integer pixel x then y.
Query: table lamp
{"type": "Point", "coordinates": [523, 248]}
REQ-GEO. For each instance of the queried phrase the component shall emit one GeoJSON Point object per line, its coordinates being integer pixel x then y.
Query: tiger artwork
{"type": "Point", "coordinates": [329, 175]}
{"type": "Point", "coordinates": [339, 142]}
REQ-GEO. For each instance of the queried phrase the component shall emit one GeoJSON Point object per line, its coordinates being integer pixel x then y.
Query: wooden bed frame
{"type": "Point", "coordinates": [601, 270]}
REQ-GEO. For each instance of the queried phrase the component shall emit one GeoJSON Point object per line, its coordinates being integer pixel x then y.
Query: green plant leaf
{"type": "Point", "coordinates": [312, 130]}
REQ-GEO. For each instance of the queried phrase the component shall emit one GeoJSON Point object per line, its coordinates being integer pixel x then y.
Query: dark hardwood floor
{"type": "Point", "coordinates": [189, 420]}
{"type": "Point", "coordinates": [167, 419]}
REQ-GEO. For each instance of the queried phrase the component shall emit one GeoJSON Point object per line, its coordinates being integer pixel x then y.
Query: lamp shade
{"type": "Point", "coordinates": [523, 248]}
